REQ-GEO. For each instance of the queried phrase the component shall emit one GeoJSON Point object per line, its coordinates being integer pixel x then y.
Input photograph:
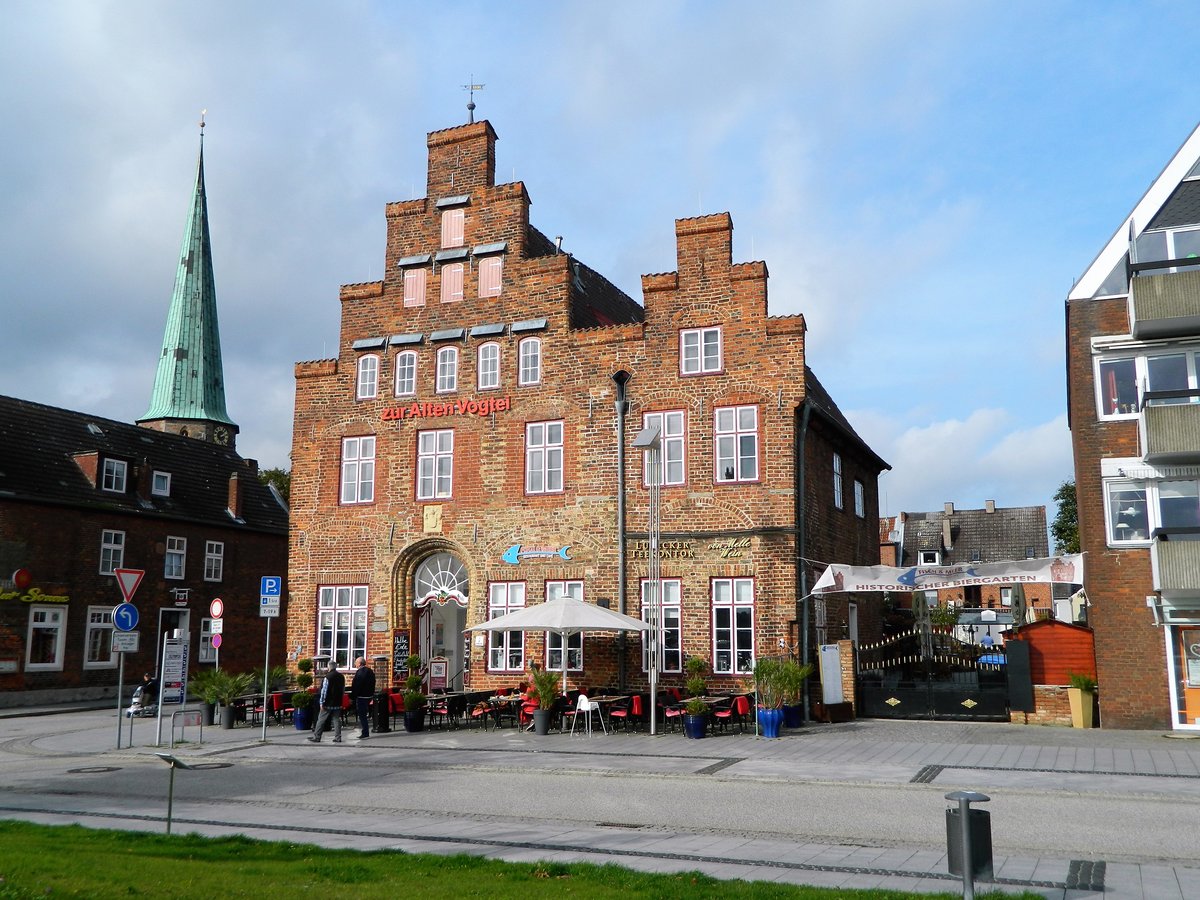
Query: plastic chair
{"type": "Point", "coordinates": [735, 711]}
{"type": "Point", "coordinates": [585, 707]}
{"type": "Point", "coordinates": [673, 714]}
{"type": "Point", "coordinates": [629, 711]}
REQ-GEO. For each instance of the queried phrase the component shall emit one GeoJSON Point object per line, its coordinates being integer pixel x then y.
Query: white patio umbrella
{"type": "Point", "coordinates": [564, 616]}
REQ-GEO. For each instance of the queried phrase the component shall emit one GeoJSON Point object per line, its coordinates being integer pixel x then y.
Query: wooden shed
{"type": "Point", "coordinates": [1057, 649]}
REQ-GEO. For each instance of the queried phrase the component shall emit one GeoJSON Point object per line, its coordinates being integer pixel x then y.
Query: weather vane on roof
{"type": "Point", "coordinates": [472, 87]}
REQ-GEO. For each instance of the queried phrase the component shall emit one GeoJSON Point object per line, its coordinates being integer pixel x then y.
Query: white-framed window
{"type": "Point", "coordinates": [860, 499]}
{"type": "Point", "coordinates": [530, 356]}
{"type": "Point", "coordinates": [47, 635]}
{"type": "Point", "coordinates": [671, 447]}
{"type": "Point", "coordinates": [452, 282]}
{"type": "Point", "coordinates": [97, 642]}
{"type": "Point", "coordinates": [214, 560]}
{"type": "Point", "coordinates": [406, 373]}
{"type": "Point", "coordinates": [113, 476]}
{"type": "Point", "coordinates": [1006, 596]}
{"type": "Point", "coordinates": [1121, 379]}
{"type": "Point", "coordinates": [554, 644]}
{"type": "Point", "coordinates": [736, 436]}
{"type": "Point", "coordinates": [490, 270]}
{"type": "Point", "coordinates": [1134, 509]}
{"type": "Point", "coordinates": [112, 551]}
{"type": "Point", "coordinates": [1170, 243]}
{"type": "Point", "coordinates": [672, 632]}
{"type": "Point", "coordinates": [543, 457]}
{"type": "Point", "coordinates": [342, 623]}
{"type": "Point", "coordinates": [207, 652]}
{"type": "Point", "coordinates": [358, 469]}
{"type": "Point", "coordinates": [733, 626]}
{"type": "Point", "coordinates": [838, 499]}
{"type": "Point", "coordinates": [700, 351]}
{"type": "Point", "coordinates": [160, 484]}
{"type": "Point", "coordinates": [452, 226]}
{"type": "Point", "coordinates": [488, 366]}
{"type": "Point", "coordinates": [1128, 512]}
{"type": "Point", "coordinates": [447, 370]}
{"type": "Point", "coordinates": [176, 558]}
{"type": "Point", "coordinates": [368, 377]}
{"type": "Point", "coordinates": [414, 287]}
{"type": "Point", "coordinates": [506, 649]}
{"type": "Point", "coordinates": [929, 558]}
{"type": "Point", "coordinates": [435, 464]}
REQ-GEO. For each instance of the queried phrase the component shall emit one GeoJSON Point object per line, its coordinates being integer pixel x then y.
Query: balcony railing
{"type": "Point", "coordinates": [1164, 304]}
{"type": "Point", "coordinates": [1175, 560]}
{"type": "Point", "coordinates": [1170, 426]}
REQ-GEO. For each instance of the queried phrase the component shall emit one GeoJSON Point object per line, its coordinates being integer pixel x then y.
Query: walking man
{"type": "Point", "coordinates": [333, 688]}
{"type": "Point", "coordinates": [362, 689]}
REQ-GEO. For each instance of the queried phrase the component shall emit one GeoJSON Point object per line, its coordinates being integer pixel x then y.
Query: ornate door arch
{"type": "Point", "coordinates": [441, 590]}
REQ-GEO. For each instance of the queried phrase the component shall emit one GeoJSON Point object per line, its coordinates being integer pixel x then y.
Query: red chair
{"type": "Point", "coordinates": [629, 711]}
{"type": "Point", "coordinates": [736, 711]}
{"type": "Point", "coordinates": [673, 714]}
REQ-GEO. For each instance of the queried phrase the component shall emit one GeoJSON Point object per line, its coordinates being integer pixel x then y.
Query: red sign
{"type": "Point", "coordinates": [129, 579]}
{"type": "Point", "coordinates": [216, 639]}
{"type": "Point", "coordinates": [22, 578]}
{"type": "Point", "coordinates": [484, 407]}
{"type": "Point", "coordinates": [216, 609]}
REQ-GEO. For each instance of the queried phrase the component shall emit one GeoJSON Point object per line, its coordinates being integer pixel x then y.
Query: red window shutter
{"type": "Point", "coordinates": [490, 269]}
{"type": "Point", "coordinates": [452, 283]}
{"type": "Point", "coordinates": [414, 287]}
{"type": "Point", "coordinates": [452, 228]}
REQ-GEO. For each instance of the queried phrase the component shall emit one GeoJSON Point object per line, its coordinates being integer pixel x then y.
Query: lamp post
{"type": "Point", "coordinates": [648, 440]}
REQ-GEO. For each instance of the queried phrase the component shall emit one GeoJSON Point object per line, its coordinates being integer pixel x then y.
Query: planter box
{"type": "Point", "coordinates": [1082, 703]}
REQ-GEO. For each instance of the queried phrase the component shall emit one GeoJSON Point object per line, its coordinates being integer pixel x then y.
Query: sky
{"type": "Point", "coordinates": [924, 180]}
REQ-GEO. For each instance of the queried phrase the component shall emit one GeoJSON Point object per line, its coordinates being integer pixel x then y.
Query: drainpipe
{"type": "Point", "coordinates": [620, 378]}
{"type": "Point", "coordinates": [801, 546]}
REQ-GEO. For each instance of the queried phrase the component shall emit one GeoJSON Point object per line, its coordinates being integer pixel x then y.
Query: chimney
{"type": "Point", "coordinates": [235, 496]}
{"type": "Point", "coordinates": [989, 506]}
{"type": "Point", "coordinates": [461, 160]}
{"type": "Point", "coordinates": [947, 534]}
{"type": "Point", "coordinates": [949, 509]}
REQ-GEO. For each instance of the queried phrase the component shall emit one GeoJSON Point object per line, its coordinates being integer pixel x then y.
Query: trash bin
{"type": "Point", "coordinates": [980, 824]}
{"type": "Point", "coordinates": [382, 713]}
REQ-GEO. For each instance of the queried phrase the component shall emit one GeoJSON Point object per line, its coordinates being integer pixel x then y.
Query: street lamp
{"type": "Point", "coordinates": [648, 440]}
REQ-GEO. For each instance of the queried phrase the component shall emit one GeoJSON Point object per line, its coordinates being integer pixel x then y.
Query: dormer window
{"type": "Point", "coordinates": [929, 558]}
{"type": "Point", "coordinates": [113, 478]}
{"type": "Point", "coordinates": [160, 486]}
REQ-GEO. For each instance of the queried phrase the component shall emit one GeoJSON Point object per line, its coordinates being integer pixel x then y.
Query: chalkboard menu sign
{"type": "Point", "coordinates": [399, 654]}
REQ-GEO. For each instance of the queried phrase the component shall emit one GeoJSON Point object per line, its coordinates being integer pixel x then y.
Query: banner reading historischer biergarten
{"type": "Point", "coordinates": [1066, 569]}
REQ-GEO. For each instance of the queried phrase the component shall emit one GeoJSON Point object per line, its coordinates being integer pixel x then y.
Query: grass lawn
{"type": "Point", "coordinates": [39, 861]}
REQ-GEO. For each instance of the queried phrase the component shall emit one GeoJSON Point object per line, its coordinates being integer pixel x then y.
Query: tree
{"type": "Point", "coordinates": [1065, 527]}
{"type": "Point", "coordinates": [281, 478]}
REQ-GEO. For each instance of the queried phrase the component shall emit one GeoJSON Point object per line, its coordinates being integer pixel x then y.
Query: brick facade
{"type": "Point", "coordinates": [493, 530]}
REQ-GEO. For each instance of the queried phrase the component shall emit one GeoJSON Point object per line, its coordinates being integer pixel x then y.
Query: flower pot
{"type": "Point", "coordinates": [302, 719]}
{"type": "Point", "coordinates": [414, 719]}
{"type": "Point", "coordinates": [228, 711]}
{"type": "Point", "coordinates": [695, 726]}
{"type": "Point", "coordinates": [793, 716]}
{"type": "Point", "coordinates": [208, 713]}
{"type": "Point", "coordinates": [769, 721]}
{"type": "Point", "coordinates": [1082, 703]}
{"type": "Point", "coordinates": [541, 721]}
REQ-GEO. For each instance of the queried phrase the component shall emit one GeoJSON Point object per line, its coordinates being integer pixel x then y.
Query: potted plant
{"type": "Point", "coordinates": [303, 698]}
{"type": "Point", "coordinates": [545, 686]}
{"type": "Point", "coordinates": [1082, 696]}
{"type": "Point", "coordinates": [695, 711]}
{"type": "Point", "coordinates": [792, 676]}
{"type": "Point", "coordinates": [203, 687]}
{"type": "Point", "coordinates": [769, 686]}
{"type": "Point", "coordinates": [414, 696]}
{"type": "Point", "coordinates": [228, 688]}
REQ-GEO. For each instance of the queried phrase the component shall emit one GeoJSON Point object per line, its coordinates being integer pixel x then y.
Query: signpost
{"type": "Point", "coordinates": [216, 609]}
{"type": "Point", "coordinates": [125, 619]}
{"type": "Point", "coordinates": [172, 684]}
{"type": "Point", "coordinates": [270, 594]}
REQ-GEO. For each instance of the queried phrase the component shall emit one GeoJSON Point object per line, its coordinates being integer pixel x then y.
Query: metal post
{"type": "Point", "coordinates": [965, 799]}
{"type": "Point", "coordinates": [120, 692]}
{"type": "Point", "coordinates": [266, 675]}
{"type": "Point", "coordinates": [170, 797]}
{"type": "Point", "coordinates": [648, 440]}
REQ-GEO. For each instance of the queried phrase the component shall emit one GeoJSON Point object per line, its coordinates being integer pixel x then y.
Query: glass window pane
{"type": "Point", "coordinates": [1118, 387]}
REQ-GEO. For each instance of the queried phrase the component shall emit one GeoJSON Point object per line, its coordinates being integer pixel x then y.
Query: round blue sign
{"type": "Point", "coordinates": [125, 617]}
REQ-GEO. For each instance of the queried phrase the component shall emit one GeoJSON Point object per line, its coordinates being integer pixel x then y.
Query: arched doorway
{"type": "Point", "coordinates": [440, 589]}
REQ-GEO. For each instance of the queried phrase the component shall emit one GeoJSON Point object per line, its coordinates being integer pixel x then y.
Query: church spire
{"type": "Point", "coordinates": [189, 386]}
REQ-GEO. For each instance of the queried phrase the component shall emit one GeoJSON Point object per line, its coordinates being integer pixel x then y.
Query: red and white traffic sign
{"type": "Point", "coordinates": [129, 579]}
{"type": "Point", "coordinates": [216, 609]}
{"type": "Point", "coordinates": [217, 639]}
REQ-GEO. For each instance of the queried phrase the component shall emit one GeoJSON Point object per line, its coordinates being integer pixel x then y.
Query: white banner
{"type": "Point", "coordinates": [1059, 569]}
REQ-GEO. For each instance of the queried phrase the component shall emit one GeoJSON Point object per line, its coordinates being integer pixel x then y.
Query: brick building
{"type": "Point", "coordinates": [82, 496]}
{"type": "Point", "coordinates": [470, 449]}
{"type": "Point", "coordinates": [1133, 339]}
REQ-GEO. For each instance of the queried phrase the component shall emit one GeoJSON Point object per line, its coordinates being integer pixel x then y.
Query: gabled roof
{"type": "Point", "coordinates": [822, 404]}
{"type": "Point", "coordinates": [190, 382]}
{"type": "Point", "coordinates": [41, 449]}
{"type": "Point", "coordinates": [998, 536]}
{"type": "Point", "coordinates": [1156, 197]}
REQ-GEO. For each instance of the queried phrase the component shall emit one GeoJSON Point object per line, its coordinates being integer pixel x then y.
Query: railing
{"type": "Point", "coordinates": [1175, 559]}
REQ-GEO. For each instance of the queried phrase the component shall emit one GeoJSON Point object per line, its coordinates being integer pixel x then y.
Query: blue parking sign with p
{"type": "Point", "coordinates": [271, 586]}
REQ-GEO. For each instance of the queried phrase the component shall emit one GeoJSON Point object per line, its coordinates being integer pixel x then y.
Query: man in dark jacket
{"type": "Point", "coordinates": [333, 688]}
{"type": "Point", "coordinates": [362, 689]}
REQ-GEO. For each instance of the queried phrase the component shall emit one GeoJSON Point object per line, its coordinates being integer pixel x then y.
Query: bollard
{"type": "Point", "coordinates": [174, 764]}
{"type": "Point", "coordinates": [968, 840]}
{"type": "Point", "coordinates": [382, 713]}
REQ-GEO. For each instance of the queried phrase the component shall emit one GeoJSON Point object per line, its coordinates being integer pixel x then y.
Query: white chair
{"type": "Point", "coordinates": [585, 707]}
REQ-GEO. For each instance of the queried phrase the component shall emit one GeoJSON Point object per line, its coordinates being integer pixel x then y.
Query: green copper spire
{"type": "Point", "coordinates": [189, 386]}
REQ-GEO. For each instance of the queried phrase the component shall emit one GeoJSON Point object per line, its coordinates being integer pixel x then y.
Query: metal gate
{"type": "Point", "coordinates": [931, 675]}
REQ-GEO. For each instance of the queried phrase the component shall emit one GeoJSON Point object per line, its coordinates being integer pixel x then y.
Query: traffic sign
{"type": "Point", "coordinates": [125, 617]}
{"type": "Point", "coordinates": [125, 641]}
{"type": "Point", "coordinates": [272, 586]}
{"type": "Point", "coordinates": [216, 609]}
{"type": "Point", "coordinates": [129, 579]}
{"type": "Point", "coordinates": [217, 641]}
{"type": "Point", "coordinates": [268, 607]}
{"type": "Point", "coordinates": [216, 626]}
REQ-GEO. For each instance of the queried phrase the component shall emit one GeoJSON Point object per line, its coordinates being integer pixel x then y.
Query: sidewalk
{"type": "Point", "coordinates": [861, 753]}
